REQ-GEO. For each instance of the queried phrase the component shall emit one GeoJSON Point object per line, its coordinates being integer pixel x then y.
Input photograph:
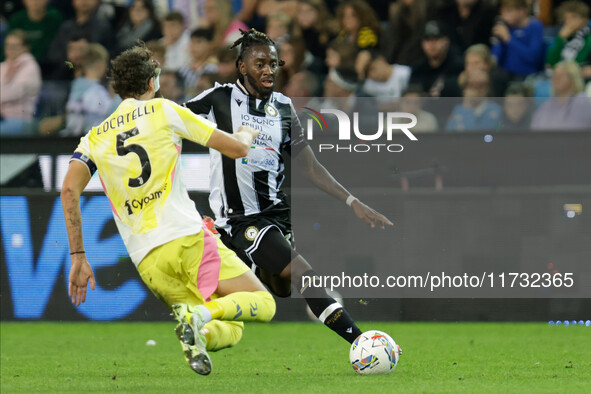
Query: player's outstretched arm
{"type": "Point", "coordinates": [235, 145]}
{"type": "Point", "coordinates": [81, 273]}
{"type": "Point", "coordinates": [323, 180]}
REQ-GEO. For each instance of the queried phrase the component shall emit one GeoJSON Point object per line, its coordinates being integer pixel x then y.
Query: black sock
{"type": "Point", "coordinates": [329, 311]}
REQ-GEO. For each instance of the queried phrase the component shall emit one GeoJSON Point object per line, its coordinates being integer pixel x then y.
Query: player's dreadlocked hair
{"type": "Point", "coordinates": [131, 71]}
{"type": "Point", "coordinates": [251, 38]}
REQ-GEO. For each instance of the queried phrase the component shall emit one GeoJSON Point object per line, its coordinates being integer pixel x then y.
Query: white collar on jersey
{"type": "Point", "coordinates": [243, 89]}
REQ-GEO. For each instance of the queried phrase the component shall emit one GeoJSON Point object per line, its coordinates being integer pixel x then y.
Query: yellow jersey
{"type": "Point", "coordinates": [137, 151]}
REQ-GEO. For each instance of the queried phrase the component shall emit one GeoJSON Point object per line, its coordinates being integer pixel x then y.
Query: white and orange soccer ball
{"type": "Point", "coordinates": [374, 353]}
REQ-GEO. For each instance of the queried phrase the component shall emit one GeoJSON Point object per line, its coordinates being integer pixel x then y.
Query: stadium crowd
{"type": "Point", "coordinates": [536, 54]}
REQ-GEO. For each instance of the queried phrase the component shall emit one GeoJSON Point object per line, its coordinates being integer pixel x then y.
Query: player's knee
{"type": "Point", "coordinates": [268, 308]}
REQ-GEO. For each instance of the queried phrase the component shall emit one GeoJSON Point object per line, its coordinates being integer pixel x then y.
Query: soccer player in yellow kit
{"type": "Point", "coordinates": [136, 151]}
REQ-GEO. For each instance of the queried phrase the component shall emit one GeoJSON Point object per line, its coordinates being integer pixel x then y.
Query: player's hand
{"type": "Point", "coordinates": [249, 130]}
{"type": "Point", "coordinates": [80, 274]}
{"type": "Point", "coordinates": [369, 215]}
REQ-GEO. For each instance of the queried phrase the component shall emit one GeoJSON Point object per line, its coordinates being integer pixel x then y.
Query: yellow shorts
{"type": "Point", "coordinates": [188, 269]}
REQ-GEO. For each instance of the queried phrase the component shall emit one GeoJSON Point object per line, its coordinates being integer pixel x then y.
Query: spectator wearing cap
{"type": "Point", "coordinates": [574, 38]}
{"type": "Point", "coordinates": [517, 108]}
{"type": "Point", "coordinates": [140, 24]}
{"type": "Point", "coordinates": [476, 112]}
{"type": "Point", "coordinates": [176, 39]}
{"type": "Point", "coordinates": [569, 108]}
{"type": "Point", "coordinates": [405, 30]}
{"type": "Point", "coordinates": [385, 81]}
{"type": "Point", "coordinates": [468, 22]}
{"type": "Point", "coordinates": [519, 47]}
{"type": "Point", "coordinates": [438, 72]}
{"type": "Point", "coordinates": [202, 60]}
{"type": "Point", "coordinates": [40, 22]}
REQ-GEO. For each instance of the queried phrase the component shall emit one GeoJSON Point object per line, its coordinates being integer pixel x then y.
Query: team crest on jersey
{"type": "Point", "coordinates": [251, 233]}
{"type": "Point", "coordinates": [270, 110]}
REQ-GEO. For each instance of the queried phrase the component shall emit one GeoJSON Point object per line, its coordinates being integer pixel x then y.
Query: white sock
{"type": "Point", "coordinates": [205, 313]}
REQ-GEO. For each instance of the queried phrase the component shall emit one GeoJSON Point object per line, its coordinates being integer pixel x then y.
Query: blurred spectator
{"type": "Point", "coordinates": [517, 108]}
{"type": "Point", "coordinates": [519, 47]}
{"type": "Point", "coordinates": [302, 84]}
{"type": "Point", "coordinates": [176, 40]}
{"type": "Point", "coordinates": [202, 61]}
{"type": "Point", "coordinates": [85, 24]}
{"type": "Point", "coordinates": [438, 72]}
{"type": "Point", "coordinates": [40, 22]}
{"type": "Point", "coordinates": [293, 52]}
{"type": "Point", "coordinates": [477, 57]}
{"type": "Point", "coordinates": [158, 52]}
{"type": "Point", "coordinates": [568, 108]}
{"type": "Point", "coordinates": [340, 53]}
{"type": "Point", "coordinates": [227, 65]}
{"type": "Point", "coordinates": [316, 26]}
{"type": "Point", "coordinates": [359, 24]}
{"type": "Point", "coordinates": [141, 24]}
{"type": "Point", "coordinates": [279, 27]}
{"type": "Point", "coordinates": [54, 92]}
{"type": "Point", "coordinates": [412, 102]}
{"type": "Point", "coordinates": [20, 84]}
{"type": "Point", "coordinates": [468, 22]}
{"type": "Point", "coordinates": [405, 30]}
{"type": "Point", "coordinates": [206, 81]}
{"type": "Point", "coordinates": [341, 91]}
{"type": "Point", "coordinates": [341, 82]}
{"type": "Point", "coordinates": [385, 81]}
{"type": "Point", "coordinates": [193, 12]}
{"type": "Point", "coordinates": [172, 86]}
{"type": "Point", "coordinates": [476, 112]}
{"type": "Point", "coordinates": [88, 101]}
{"type": "Point", "coordinates": [574, 38]}
{"type": "Point", "coordinates": [220, 17]}
{"type": "Point", "coordinates": [265, 8]}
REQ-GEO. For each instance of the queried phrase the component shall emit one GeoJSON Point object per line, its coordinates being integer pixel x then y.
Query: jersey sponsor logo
{"type": "Point", "coordinates": [142, 202]}
{"type": "Point", "coordinates": [270, 110]}
{"type": "Point", "coordinates": [263, 139]}
{"type": "Point", "coordinates": [251, 233]}
{"type": "Point", "coordinates": [239, 102]}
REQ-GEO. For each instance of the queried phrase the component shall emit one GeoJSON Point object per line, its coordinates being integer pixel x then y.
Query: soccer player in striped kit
{"type": "Point", "coordinates": [251, 211]}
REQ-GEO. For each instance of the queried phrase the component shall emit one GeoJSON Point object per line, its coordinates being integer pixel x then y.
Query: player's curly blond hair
{"type": "Point", "coordinates": [131, 71]}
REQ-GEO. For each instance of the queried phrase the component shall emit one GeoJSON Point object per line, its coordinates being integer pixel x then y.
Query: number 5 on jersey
{"type": "Point", "coordinates": [123, 150]}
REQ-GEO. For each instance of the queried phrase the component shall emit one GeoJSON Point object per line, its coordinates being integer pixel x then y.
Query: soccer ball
{"type": "Point", "coordinates": [374, 353]}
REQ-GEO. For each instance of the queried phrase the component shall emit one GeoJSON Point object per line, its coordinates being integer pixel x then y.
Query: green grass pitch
{"type": "Point", "coordinates": [296, 357]}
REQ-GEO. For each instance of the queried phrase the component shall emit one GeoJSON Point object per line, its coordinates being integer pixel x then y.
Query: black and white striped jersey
{"type": "Point", "coordinates": [250, 185]}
